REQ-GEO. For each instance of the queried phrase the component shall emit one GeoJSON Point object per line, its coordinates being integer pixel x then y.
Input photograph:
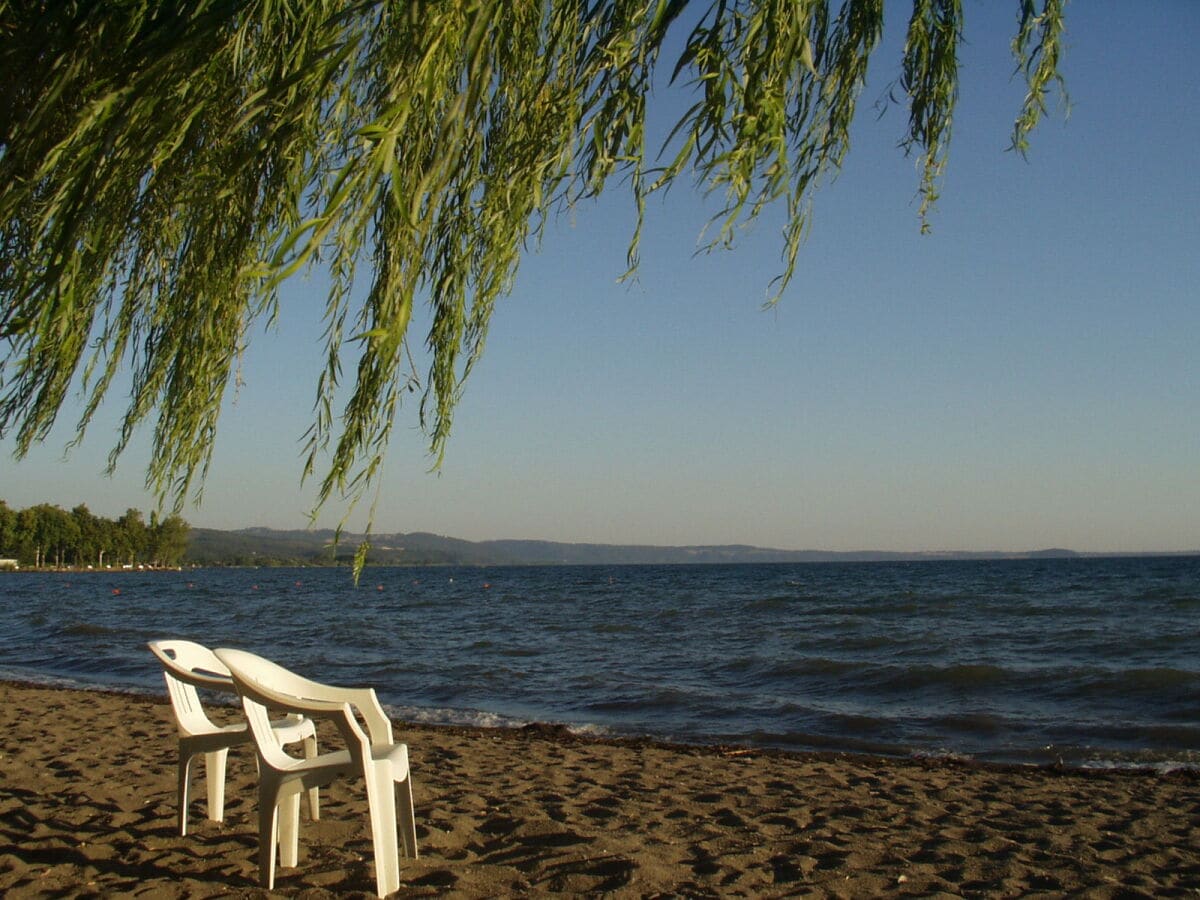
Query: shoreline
{"type": "Point", "coordinates": [87, 807]}
{"type": "Point", "coordinates": [558, 731]}
{"type": "Point", "coordinates": [867, 557]}
{"type": "Point", "coordinates": [563, 734]}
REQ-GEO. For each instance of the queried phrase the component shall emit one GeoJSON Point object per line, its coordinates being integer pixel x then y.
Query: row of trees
{"type": "Point", "coordinates": [48, 536]}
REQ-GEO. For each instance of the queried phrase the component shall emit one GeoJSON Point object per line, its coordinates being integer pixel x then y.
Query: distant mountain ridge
{"type": "Point", "coordinates": [268, 546]}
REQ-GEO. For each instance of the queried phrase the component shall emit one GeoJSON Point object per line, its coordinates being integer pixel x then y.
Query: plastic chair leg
{"type": "Point", "coordinates": [381, 798]}
{"type": "Point", "coordinates": [407, 821]}
{"type": "Point", "coordinates": [314, 802]}
{"type": "Point", "coordinates": [268, 838]}
{"type": "Point", "coordinates": [289, 830]}
{"type": "Point", "coordinates": [214, 773]}
{"type": "Point", "coordinates": [183, 778]}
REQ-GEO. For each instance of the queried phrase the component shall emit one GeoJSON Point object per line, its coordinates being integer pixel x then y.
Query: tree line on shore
{"type": "Point", "coordinates": [47, 536]}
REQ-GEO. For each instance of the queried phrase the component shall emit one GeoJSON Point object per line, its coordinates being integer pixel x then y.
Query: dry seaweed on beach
{"type": "Point", "coordinates": [87, 808]}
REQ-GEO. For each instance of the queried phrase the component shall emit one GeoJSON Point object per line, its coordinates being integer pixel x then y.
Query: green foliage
{"type": "Point", "coordinates": [47, 536]}
{"type": "Point", "coordinates": [165, 166]}
{"type": "Point", "coordinates": [169, 539]}
{"type": "Point", "coordinates": [1038, 48]}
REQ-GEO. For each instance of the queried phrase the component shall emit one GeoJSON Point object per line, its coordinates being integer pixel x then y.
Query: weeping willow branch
{"type": "Point", "coordinates": [166, 166]}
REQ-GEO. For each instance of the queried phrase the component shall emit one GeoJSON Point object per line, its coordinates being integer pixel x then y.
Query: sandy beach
{"type": "Point", "coordinates": [87, 809]}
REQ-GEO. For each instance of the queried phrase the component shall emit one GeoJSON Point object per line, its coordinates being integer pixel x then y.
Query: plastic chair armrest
{"type": "Point", "coordinates": [200, 679]}
{"type": "Point", "coordinates": [342, 714]}
{"type": "Point", "coordinates": [378, 724]}
{"type": "Point", "coordinates": [362, 699]}
{"type": "Point", "coordinates": [290, 703]}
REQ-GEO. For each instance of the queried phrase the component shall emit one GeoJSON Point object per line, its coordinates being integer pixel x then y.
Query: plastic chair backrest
{"type": "Point", "coordinates": [258, 679]}
{"type": "Point", "coordinates": [186, 666]}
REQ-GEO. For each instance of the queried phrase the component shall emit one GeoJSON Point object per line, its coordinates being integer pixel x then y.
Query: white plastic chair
{"type": "Point", "coordinates": [382, 763]}
{"type": "Point", "coordinates": [187, 666]}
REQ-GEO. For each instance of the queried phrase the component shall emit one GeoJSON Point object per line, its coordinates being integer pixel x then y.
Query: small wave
{"type": "Point", "coordinates": [870, 609]}
{"type": "Point", "coordinates": [441, 715]}
{"type": "Point", "coordinates": [1166, 592]}
{"type": "Point", "coordinates": [615, 628]}
{"type": "Point", "coordinates": [803, 740]}
{"type": "Point", "coordinates": [48, 679]}
{"type": "Point", "coordinates": [1161, 678]}
{"type": "Point", "coordinates": [975, 723]}
{"type": "Point", "coordinates": [87, 629]}
{"type": "Point", "coordinates": [740, 664]}
{"type": "Point", "coordinates": [1159, 767]}
{"type": "Point", "coordinates": [1115, 758]}
{"type": "Point", "coordinates": [965, 675]}
{"type": "Point", "coordinates": [1143, 735]}
{"type": "Point", "coordinates": [590, 730]}
{"type": "Point", "coordinates": [648, 700]}
{"type": "Point", "coordinates": [766, 604]}
{"type": "Point", "coordinates": [519, 652]}
{"type": "Point", "coordinates": [810, 666]}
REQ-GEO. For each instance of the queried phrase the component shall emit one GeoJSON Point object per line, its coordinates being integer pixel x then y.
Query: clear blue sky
{"type": "Point", "coordinates": [1025, 376]}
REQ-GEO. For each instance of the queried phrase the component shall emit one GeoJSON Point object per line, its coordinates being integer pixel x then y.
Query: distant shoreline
{"type": "Point", "coordinates": [817, 558]}
{"type": "Point", "coordinates": [257, 546]}
{"type": "Point", "coordinates": [84, 570]}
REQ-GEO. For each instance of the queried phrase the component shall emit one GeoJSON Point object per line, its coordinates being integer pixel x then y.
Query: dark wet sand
{"type": "Point", "coordinates": [87, 809]}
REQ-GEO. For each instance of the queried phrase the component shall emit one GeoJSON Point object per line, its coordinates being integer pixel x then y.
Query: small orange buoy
{"type": "Point", "coordinates": [116, 590]}
{"type": "Point", "coordinates": [379, 587]}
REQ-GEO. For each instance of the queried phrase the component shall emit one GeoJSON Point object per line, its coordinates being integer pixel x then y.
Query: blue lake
{"type": "Point", "coordinates": [1088, 661]}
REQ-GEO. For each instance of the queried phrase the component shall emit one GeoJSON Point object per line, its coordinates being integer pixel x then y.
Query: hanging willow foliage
{"type": "Point", "coordinates": [165, 166]}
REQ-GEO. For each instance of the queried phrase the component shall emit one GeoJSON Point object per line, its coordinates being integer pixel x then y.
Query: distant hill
{"type": "Point", "coordinates": [267, 546]}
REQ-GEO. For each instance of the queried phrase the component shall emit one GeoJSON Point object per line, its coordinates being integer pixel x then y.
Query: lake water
{"type": "Point", "coordinates": [1087, 661]}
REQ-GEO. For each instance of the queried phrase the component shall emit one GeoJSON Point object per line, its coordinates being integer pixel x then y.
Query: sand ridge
{"type": "Point", "coordinates": [87, 809]}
